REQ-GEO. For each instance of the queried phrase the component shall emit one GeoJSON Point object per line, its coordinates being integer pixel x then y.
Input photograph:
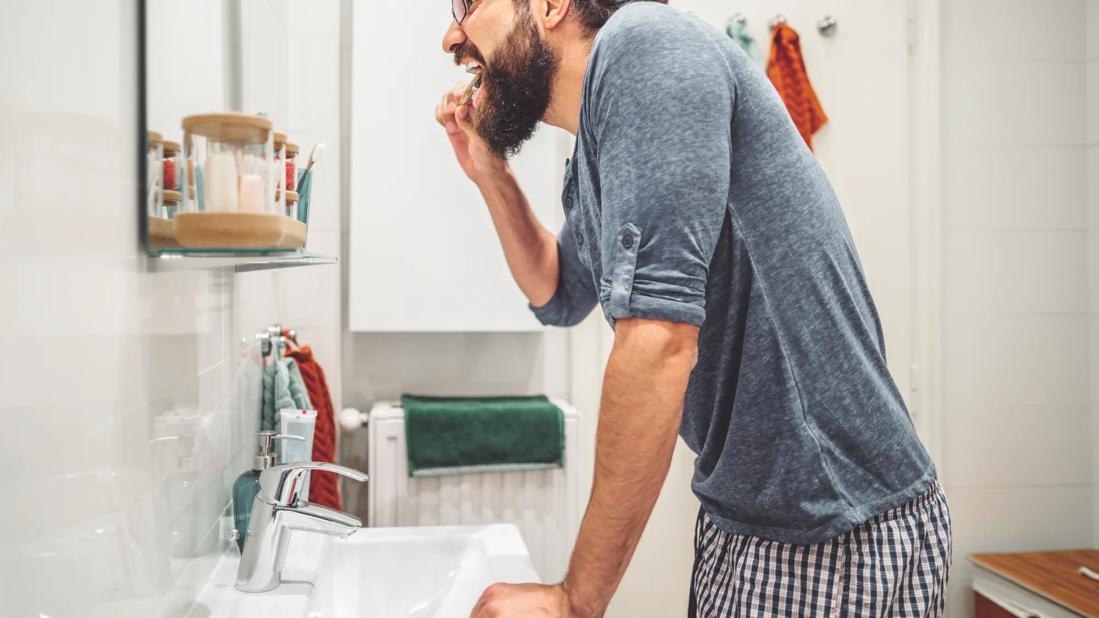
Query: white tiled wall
{"type": "Point", "coordinates": [1018, 452]}
{"type": "Point", "coordinates": [104, 357]}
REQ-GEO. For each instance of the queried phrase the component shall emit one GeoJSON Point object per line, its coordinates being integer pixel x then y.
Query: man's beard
{"type": "Point", "coordinates": [518, 85]}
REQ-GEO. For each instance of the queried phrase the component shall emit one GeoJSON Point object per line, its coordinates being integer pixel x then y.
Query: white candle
{"type": "Point", "coordinates": [251, 193]}
{"type": "Point", "coordinates": [220, 182]}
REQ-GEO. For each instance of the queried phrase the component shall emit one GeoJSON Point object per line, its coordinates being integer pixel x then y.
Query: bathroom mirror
{"type": "Point", "coordinates": [221, 171]}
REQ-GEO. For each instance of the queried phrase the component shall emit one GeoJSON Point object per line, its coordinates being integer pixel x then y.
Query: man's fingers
{"type": "Point", "coordinates": [444, 115]}
{"type": "Point", "coordinates": [448, 108]}
{"type": "Point", "coordinates": [455, 94]}
{"type": "Point", "coordinates": [478, 610]}
{"type": "Point", "coordinates": [463, 114]}
{"type": "Point", "coordinates": [452, 125]}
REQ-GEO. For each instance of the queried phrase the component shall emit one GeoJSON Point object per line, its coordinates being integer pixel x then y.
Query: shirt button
{"type": "Point", "coordinates": [567, 161]}
{"type": "Point", "coordinates": [627, 241]}
{"type": "Point", "coordinates": [568, 203]}
{"type": "Point", "coordinates": [580, 239]}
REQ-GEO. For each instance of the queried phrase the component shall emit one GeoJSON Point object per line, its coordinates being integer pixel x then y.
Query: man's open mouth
{"type": "Point", "coordinates": [475, 69]}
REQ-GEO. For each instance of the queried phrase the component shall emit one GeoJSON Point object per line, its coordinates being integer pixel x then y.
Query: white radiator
{"type": "Point", "coordinates": [544, 504]}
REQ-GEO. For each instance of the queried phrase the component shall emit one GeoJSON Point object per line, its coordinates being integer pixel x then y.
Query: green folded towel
{"type": "Point", "coordinates": [466, 435]}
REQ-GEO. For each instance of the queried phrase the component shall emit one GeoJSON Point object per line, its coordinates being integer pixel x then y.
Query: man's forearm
{"type": "Point", "coordinates": [639, 417]}
{"type": "Point", "coordinates": [530, 249]}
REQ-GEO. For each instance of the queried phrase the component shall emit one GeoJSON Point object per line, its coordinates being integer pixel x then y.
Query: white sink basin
{"type": "Point", "coordinates": [430, 572]}
{"type": "Point", "coordinates": [422, 572]}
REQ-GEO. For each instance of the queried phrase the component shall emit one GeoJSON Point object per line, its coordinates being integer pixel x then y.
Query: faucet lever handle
{"type": "Point", "coordinates": [282, 484]}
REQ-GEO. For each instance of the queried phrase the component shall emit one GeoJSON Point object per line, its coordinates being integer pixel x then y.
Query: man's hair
{"type": "Point", "coordinates": [594, 13]}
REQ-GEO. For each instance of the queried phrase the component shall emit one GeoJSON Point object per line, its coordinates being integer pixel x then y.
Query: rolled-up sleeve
{"type": "Point", "coordinates": [575, 296]}
{"type": "Point", "coordinates": [663, 143]}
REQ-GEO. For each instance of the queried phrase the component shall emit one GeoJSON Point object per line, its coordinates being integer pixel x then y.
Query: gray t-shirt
{"type": "Point", "coordinates": [692, 198]}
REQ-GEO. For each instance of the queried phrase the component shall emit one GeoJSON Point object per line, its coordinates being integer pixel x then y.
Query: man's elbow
{"type": "Point", "coordinates": [665, 346]}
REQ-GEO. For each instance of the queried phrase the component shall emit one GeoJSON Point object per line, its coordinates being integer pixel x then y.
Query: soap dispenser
{"type": "Point", "coordinates": [247, 485]}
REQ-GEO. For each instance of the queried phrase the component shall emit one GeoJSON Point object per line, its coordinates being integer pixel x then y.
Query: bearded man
{"type": "Point", "coordinates": [700, 222]}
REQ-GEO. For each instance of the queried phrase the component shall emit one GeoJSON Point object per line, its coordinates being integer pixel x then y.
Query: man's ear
{"type": "Point", "coordinates": [556, 11]}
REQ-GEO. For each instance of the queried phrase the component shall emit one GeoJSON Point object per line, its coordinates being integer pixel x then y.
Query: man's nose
{"type": "Point", "coordinates": [454, 37]}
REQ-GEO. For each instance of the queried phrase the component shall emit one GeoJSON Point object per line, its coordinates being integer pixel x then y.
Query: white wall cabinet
{"type": "Point", "coordinates": [423, 253]}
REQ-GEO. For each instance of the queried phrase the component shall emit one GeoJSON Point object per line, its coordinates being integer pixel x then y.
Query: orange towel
{"type": "Point", "coordinates": [323, 488]}
{"type": "Point", "coordinates": [786, 69]}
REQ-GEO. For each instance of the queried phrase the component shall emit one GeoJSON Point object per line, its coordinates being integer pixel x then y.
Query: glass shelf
{"type": "Point", "coordinates": [208, 260]}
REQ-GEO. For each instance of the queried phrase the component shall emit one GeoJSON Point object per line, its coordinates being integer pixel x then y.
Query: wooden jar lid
{"type": "Point", "coordinates": [174, 197]}
{"type": "Point", "coordinates": [280, 140]}
{"type": "Point", "coordinates": [291, 197]}
{"type": "Point", "coordinates": [171, 147]}
{"type": "Point", "coordinates": [229, 127]}
{"type": "Point", "coordinates": [154, 138]}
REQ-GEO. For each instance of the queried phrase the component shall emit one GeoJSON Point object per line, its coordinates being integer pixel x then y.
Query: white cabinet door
{"type": "Point", "coordinates": [423, 252]}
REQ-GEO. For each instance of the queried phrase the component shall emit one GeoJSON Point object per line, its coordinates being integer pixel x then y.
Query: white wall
{"type": "Point", "coordinates": [101, 350]}
{"type": "Point", "coordinates": [1092, 170]}
{"type": "Point", "coordinates": [1017, 452]}
{"type": "Point", "coordinates": [181, 83]}
{"type": "Point", "coordinates": [300, 91]}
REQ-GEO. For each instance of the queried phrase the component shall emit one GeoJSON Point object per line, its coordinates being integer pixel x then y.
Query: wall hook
{"type": "Point", "coordinates": [739, 18]}
{"type": "Point", "coordinates": [779, 18]}
{"type": "Point", "coordinates": [827, 25]}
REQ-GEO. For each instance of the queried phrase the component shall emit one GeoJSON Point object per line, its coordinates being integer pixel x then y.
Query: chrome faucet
{"type": "Point", "coordinates": [277, 510]}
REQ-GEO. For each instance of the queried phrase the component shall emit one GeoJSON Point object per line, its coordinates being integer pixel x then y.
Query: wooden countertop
{"type": "Point", "coordinates": [1052, 575]}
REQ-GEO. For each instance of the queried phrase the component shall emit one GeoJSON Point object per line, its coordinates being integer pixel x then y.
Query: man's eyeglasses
{"type": "Point", "coordinates": [461, 8]}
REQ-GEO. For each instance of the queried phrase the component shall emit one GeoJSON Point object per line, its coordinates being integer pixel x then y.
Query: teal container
{"type": "Point", "coordinates": [247, 487]}
{"type": "Point", "coordinates": [244, 494]}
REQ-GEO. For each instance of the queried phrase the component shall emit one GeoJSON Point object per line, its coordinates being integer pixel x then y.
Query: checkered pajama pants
{"type": "Point", "coordinates": [896, 564]}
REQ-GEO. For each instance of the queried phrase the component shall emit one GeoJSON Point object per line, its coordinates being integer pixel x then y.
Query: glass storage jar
{"type": "Point", "coordinates": [172, 165]}
{"type": "Point", "coordinates": [292, 204]}
{"type": "Point", "coordinates": [291, 165]}
{"type": "Point", "coordinates": [232, 156]}
{"type": "Point", "coordinates": [171, 203]}
{"type": "Point", "coordinates": [280, 171]}
{"type": "Point", "coordinates": [154, 156]}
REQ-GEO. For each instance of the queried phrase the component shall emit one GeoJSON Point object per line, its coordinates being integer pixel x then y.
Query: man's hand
{"type": "Point", "coordinates": [530, 249]}
{"type": "Point", "coordinates": [521, 601]}
{"type": "Point", "coordinates": [477, 160]}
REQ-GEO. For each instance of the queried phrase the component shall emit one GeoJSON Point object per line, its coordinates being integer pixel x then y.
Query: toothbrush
{"type": "Point", "coordinates": [314, 155]}
{"type": "Point", "coordinates": [474, 84]}
{"type": "Point", "coordinates": [306, 183]}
